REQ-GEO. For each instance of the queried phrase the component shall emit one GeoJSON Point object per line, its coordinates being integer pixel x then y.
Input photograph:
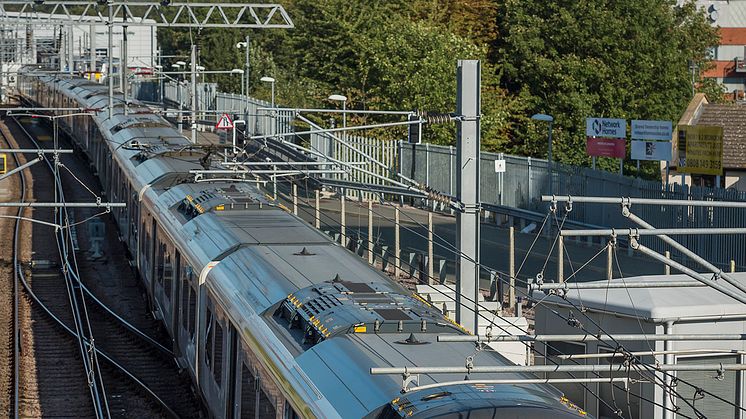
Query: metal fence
{"type": "Point", "coordinates": [520, 186]}
{"type": "Point", "coordinates": [525, 180]}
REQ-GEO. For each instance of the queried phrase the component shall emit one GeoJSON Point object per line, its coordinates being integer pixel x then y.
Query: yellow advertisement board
{"type": "Point", "coordinates": [700, 149]}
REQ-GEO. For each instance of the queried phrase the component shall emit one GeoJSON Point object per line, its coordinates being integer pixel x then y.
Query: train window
{"type": "Point", "coordinates": [208, 338]}
{"type": "Point", "coordinates": [192, 311]}
{"type": "Point", "coordinates": [267, 408]}
{"type": "Point", "coordinates": [248, 393]}
{"type": "Point", "coordinates": [168, 272]}
{"type": "Point", "coordinates": [217, 364]}
{"type": "Point", "coordinates": [159, 263]}
{"type": "Point", "coordinates": [290, 412]}
{"type": "Point", "coordinates": [185, 298]}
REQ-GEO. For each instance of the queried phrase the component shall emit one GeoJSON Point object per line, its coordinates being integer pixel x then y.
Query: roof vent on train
{"type": "Point", "coordinates": [138, 123]}
{"type": "Point", "coordinates": [339, 307]}
{"type": "Point", "coordinates": [216, 199]}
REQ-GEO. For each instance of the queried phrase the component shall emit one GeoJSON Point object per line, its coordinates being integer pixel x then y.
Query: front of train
{"type": "Point", "coordinates": [481, 401]}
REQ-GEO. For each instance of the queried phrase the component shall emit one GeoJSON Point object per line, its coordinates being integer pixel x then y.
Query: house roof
{"type": "Point", "coordinates": [732, 117]}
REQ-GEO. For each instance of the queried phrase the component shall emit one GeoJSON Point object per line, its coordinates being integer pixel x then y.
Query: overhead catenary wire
{"type": "Point", "coordinates": [514, 325]}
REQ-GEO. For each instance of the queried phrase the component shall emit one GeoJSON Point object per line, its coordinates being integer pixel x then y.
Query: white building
{"type": "Point", "coordinates": [650, 311]}
{"type": "Point", "coordinates": [62, 46]}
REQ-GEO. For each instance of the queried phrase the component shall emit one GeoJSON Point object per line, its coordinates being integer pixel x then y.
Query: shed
{"type": "Point", "coordinates": [650, 311]}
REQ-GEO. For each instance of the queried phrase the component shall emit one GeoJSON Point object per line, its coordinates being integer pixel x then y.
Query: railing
{"type": "Point", "coordinates": [526, 179]}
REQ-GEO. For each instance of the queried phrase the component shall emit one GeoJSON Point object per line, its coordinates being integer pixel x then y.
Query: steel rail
{"type": "Point", "coordinates": [98, 351]}
{"type": "Point", "coordinates": [16, 270]}
{"type": "Point", "coordinates": [106, 308]}
{"type": "Point", "coordinates": [90, 364]}
{"type": "Point", "coordinates": [106, 356]}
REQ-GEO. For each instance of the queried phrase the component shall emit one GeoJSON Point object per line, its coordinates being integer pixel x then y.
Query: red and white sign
{"type": "Point", "coordinates": [606, 147]}
{"type": "Point", "coordinates": [224, 122]}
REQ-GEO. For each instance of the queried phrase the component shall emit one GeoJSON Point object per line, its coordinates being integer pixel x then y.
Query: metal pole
{"type": "Point", "coordinates": [318, 210]}
{"type": "Point", "coordinates": [551, 368]}
{"type": "Point", "coordinates": [274, 112]}
{"type": "Point", "coordinates": [467, 220]}
{"type": "Point", "coordinates": [161, 80]}
{"type": "Point", "coordinates": [477, 382]}
{"type": "Point", "coordinates": [594, 338]}
{"type": "Point", "coordinates": [652, 232]}
{"type": "Point", "coordinates": [549, 158]}
{"type": "Point", "coordinates": [511, 267]}
{"type": "Point", "coordinates": [560, 259]}
{"type": "Point", "coordinates": [110, 70]}
{"type": "Point", "coordinates": [246, 96]}
{"type": "Point", "coordinates": [343, 220]}
{"type": "Point", "coordinates": [295, 199]}
{"type": "Point", "coordinates": [397, 244]}
{"type": "Point", "coordinates": [667, 269]}
{"type": "Point", "coordinates": [609, 262]}
{"type": "Point", "coordinates": [21, 167]}
{"type": "Point", "coordinates": [274, 183]}
{"type": "Point", "coordinates": [124, 66]}
{"type": "Point", "coordinates": [344, 135]}
{"type": "Point", "coordinates": [705, 280]}
{"type": "Point", "coordinates": [602, 285]}
{"type": "Point", "coordinates": [194, 96]}
{"type": "Point", "coordinates": [35, 151]}
{"type": "Point", "coordinates": [63, 204]}
{"type": "Point", "coordinates": [370, 232]}
{"type": "Point", "coordinates": [643, 201]}
{"type": "Point", "coordinates": [430, 252]}
{"type": "Point", "coordinates": [676, 245]}
{"type": "Point", "coordinates": [668, 359]}
{"type": "Point", "coordinates": [732, 266]}
{"type": "Point", "coordinates": [92, 51]}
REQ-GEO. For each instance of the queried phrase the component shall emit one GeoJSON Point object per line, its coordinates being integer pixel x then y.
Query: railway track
{"type": "Point", "coordinates": [139, 374]}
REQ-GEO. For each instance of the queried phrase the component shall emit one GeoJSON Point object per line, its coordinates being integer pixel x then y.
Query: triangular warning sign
{"type": "Point", "coordinates": [224, 122]}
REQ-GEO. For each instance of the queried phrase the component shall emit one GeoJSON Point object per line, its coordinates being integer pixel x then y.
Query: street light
{"type": "Point", "coordinates": [267, 79]}
{"type": "Point", "coordinates": [271, 80]}
{"type": "Point", "coordinates": [245, 85]}
{"type": "Point", "coordinates": [241, 72]}
{"type": "Point", "coordinates": [343, 99]}
{"type": "Point", "coordinates": [550, 119]}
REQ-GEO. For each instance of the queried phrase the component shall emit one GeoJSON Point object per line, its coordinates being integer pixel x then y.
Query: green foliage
{"type": "Point", "coordinates": [568, 58]}
{"type": "Point", "coordinates": [614, 58]}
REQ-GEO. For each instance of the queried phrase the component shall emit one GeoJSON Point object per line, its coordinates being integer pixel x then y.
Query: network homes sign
{"type": "Point", "coordinates": [606, 137]}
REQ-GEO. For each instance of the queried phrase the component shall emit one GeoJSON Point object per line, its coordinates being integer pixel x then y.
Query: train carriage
{"type": "Point", "coordinates": [270, 317]}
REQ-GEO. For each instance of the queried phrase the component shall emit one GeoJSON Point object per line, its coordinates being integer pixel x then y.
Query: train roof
{"type": "Point", "coordinates": [341, 370]}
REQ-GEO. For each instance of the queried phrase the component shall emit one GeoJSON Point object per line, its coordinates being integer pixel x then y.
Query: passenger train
{"type": "Point", "coordinates": [269, 316]}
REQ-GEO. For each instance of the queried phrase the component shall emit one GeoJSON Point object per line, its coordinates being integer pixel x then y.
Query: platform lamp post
{"type": "Point", "coordinates": [550, 119]}
{"type": "Point", "coordinates": [245, 85]}
{"type": "Point", "coordinates": [270, 80]}
{"type": "Point", "coordinates": [178, 65]}
{"type": "Point", "coordinates": [343, 99]}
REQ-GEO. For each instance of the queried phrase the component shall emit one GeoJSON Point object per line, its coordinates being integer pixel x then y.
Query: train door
{"type": "Point", "coordinates": [174, 302]}
{"type": "Point", "coordinates": [187, 312]}
{"type": "Point", "coordinates": [151, 261]}
{"type": "Point", "coordinates": [233, 360]}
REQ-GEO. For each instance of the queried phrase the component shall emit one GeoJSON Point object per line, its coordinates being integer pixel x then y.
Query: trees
{"type": "Point", "coordinates": [569, 58]}
{"type": "Point", "coordinates": [615, 58]}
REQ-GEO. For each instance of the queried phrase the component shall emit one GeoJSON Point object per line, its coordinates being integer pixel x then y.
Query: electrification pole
{"type": "Point", "coordinates": [467, 193]}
